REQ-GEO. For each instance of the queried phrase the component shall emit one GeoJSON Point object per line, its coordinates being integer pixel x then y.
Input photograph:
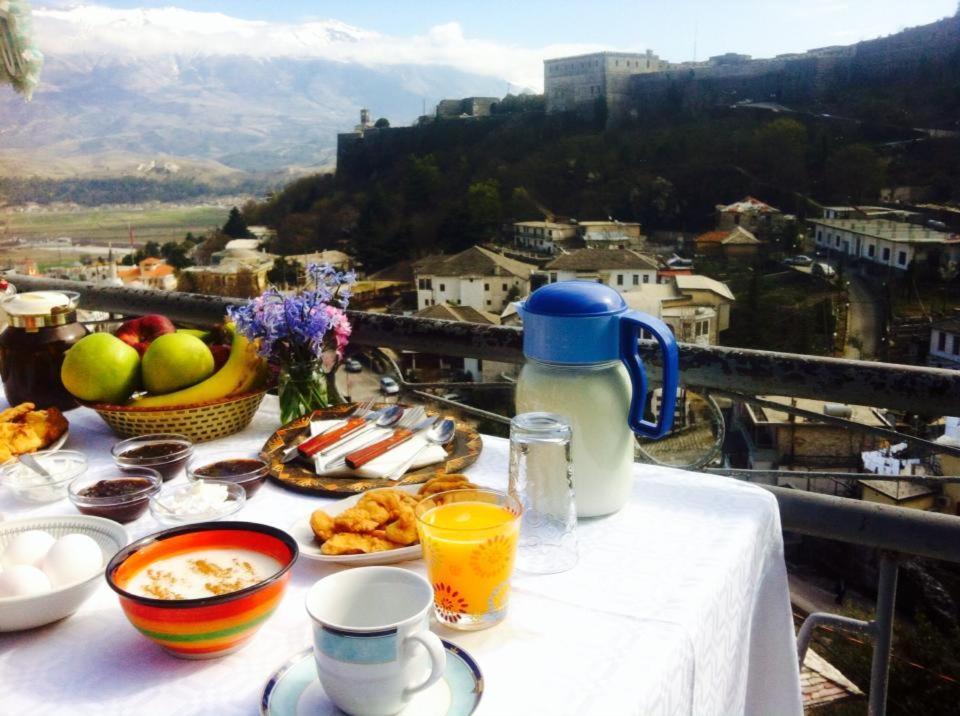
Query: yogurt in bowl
{"type": "Point", "coordinates": [201, 591]}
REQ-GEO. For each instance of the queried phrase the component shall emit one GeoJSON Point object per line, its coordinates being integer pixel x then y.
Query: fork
{"type": "Point", "coordinates": [410, 418]}
{"type": "Point", "coordinates": [358, 417]}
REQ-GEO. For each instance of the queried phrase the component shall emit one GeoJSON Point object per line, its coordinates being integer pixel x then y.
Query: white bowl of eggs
{"type": "Point", "coordinates": [49, 566]}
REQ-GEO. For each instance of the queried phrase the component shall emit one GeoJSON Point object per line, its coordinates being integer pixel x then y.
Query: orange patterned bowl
{"type": "Point", "coordinates": [205, 627]}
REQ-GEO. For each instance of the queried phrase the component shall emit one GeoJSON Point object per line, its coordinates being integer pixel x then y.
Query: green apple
{"type": "Point", "coordinates": [174, 361]}
{"type": "Point", "coordinates": [101, 368]}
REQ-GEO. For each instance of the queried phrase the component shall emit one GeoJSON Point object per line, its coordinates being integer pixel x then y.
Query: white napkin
{"type": "Point", "coordinates": [382, 466]}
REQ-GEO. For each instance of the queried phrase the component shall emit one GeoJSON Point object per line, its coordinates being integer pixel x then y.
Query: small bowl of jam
{"type": "Point", "coordinates": [167, 453]}
{"type": "Point", "coordinates": [120, 495]}
{"type": "Point", "coordinates": [248, 472]}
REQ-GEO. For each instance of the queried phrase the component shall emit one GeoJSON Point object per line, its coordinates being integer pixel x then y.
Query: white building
{"type": "Point", "coordinates": [945, 344]}
{"type": "Point", "coordinates": [888, 243]}
{"type": "Point", "coordinates": [476, 277]}
{"type": "Point", "coordinates": [610, 234]}
{"type": "Point", "coordinates": [621, 269]}
{"type": "Point", "coordinates": [542, 236]}
{"type": "Point", "coordinates": [697, 308]}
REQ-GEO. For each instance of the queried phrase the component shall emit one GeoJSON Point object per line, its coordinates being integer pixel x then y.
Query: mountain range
{"type": "Point", "coordinates": [155, 93]}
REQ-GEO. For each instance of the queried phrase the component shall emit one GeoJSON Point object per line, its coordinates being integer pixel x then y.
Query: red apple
{"type": "Point", "coordinates": [220, 355]}
{"type": "Point", "coordinates": [140, 332]}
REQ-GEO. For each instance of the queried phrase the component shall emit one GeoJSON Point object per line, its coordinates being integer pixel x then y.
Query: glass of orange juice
{"type": "Point", "coordinates": [469, 540]}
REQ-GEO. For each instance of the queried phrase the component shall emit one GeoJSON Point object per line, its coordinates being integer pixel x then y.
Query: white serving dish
{"type": "Point", "coordinates": [18, 613]}
{"type": "Point", "coordinates": [301, 532]}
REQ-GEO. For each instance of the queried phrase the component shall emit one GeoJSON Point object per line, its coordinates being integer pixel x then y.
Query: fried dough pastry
{"type": "Point", "coordinates": [322, 525]}
{"type": "Point", "coordinates": [23, 429]}
{"type": "Point", "coordinates": [443, 483]}
{"type": "Point", "coordinates": [380, 520]}
{"type": "Point", "coordinates": [350, 543]}
{"type": "Point", "coordinates": [355, 519]}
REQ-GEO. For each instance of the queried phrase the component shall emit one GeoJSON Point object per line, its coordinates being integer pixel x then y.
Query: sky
{"type": "Point", "coordinates": [503, 38]}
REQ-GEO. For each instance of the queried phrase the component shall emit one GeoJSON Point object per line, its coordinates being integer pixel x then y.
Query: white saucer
{"type": "Point", "coordinates": [294, 689]}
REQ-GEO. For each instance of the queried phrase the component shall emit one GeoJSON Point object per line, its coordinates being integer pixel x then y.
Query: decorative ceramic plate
{"type": "Point", "coordinates": [295, 690]}
{"type": "Point", "coordinates": [301, 532]}
{"type": "Point", "coordinates": [462, 451]}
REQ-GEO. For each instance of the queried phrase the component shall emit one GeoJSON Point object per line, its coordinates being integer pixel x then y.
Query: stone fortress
{"type": "Point", "coordinates": [629, 81]}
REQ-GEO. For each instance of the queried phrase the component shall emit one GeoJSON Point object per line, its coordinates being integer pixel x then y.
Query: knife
{"type": "Point", "coordinates": [365, 454]}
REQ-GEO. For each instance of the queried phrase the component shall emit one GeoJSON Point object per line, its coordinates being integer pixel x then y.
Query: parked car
{"type": "Point", "coordinates": [823, 270]}
{"type": "Point", "coordinates": [352, 365]}
{"type": "Point", "coordinates": [800, 260]}
{"type": "Point", "coordinates": [388, 386]}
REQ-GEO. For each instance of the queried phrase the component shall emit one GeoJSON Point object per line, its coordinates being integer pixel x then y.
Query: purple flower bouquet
{"type": "Point", "coordinates": [306, 333]}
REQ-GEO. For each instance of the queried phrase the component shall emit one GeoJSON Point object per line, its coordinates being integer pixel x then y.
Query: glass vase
{"type": "Point", "coordinates": [301, 389]}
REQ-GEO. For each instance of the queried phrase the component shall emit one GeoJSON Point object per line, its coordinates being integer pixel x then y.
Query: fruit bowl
{"type": "Point", "coordinates": [199, 422]}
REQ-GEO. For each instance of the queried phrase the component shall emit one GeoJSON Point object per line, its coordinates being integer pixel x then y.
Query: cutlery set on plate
{"type": "Point", "coordinates": [367, 434]}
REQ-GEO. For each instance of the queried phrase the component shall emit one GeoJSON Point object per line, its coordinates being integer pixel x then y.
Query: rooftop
{"type": "Point", "coordinates": [895, 231]}
{"type": "Point", "coordinates": [897, 489]}
{"type": "Point", "coordinates": [734, 236]}
{"type": "Point", "coordinates": [860, 413]}
{"type": "Point", "coordinates": [748, 204]}
{"type": "Point", "coordinates": [695, 282]}
{"type": "Point", "coordinates": [475, 261]}
{"type": "Point", "coordinates": [602, 259]}
{"type": "Point", "coordinates": [950, 325]}
{"type": "Point", "coordinates": [545, 224]}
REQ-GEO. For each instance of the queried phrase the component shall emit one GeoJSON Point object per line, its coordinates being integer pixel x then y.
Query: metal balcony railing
{"type": "Point", "coordinates": [734, 372]}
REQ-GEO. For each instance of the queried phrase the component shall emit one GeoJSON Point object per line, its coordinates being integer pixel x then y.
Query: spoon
{"type": "Point", "coordinates": [31, 462]}
{"type": "Point", "coordinates": [439, 434]}
{"type": "Point", "coordinates": [389, 417]}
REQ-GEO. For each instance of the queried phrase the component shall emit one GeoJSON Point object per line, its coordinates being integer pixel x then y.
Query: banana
{"type": "Point", "coordinates": [244, 371]}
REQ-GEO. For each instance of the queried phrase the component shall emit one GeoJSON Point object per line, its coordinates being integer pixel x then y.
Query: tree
{"type": "Point", "coordinates": [382, 123]}
{"type": "Point", "coordinates": [484, 209]}
{"type": "Point", "coordinates": [421, 181]}
{"type": "Point", "coordinates": [176, 254]}
{"type": "Point", "coordinates": [854, 173]}
{"type": "Point", "coordinates": [285, 272]}
{"type": "Point", "coordinates": [236, 227]}
{"type": "Point", "coordinates": [780, 153]}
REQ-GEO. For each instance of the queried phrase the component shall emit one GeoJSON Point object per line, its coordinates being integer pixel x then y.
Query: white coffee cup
{"type": "Point", "coordinates": [371, 638]}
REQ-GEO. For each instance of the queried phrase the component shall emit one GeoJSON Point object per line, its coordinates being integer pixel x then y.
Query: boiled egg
{"type": "Point", "coordinates": [27, 548]}
{"type": "Point", "coordinates": [72, 558]}
{"type": "Point", "coordinates": [22, 580]}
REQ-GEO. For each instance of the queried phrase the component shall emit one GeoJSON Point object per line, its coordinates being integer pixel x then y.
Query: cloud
{"type": "Point", "coordinates": [169, 30]}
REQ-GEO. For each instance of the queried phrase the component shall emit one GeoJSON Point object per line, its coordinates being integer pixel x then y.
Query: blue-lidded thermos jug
{"type": "Point", "coordinates": [583, 362]}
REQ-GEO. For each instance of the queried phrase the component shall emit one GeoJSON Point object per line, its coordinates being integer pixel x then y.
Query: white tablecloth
{"type": "Point", "coordinates": [679, 605]}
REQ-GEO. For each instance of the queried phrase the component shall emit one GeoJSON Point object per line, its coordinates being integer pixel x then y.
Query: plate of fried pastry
{"type": "Point", "coordinates": [24, 429]}
{"type": "Point", "coordinates": [377, 527]}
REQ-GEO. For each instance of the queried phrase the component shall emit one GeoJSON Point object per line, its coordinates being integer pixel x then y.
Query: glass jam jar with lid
{"type": "Point", "coordinates": [43, 325]}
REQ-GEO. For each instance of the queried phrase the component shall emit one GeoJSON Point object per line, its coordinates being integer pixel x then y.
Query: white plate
{"type": "Point", "coordinates": [311, 550]}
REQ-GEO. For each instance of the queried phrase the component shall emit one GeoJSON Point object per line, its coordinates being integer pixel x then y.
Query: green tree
{"type": "Point", "coordinates": [484, 208]}
{"type": "Point", "coordinates": [779, 150]}
{"type": "Point", "coordinates": [854, 173]}
{"type": "Point", "coordinates": [285, 272]}
{"type": "Point", "coordinates": [176, 254]}
{"type": "Point", "coordinates": [235, 226]}
{"type": "Point", "coordinates": [421, 181]}
{"type": "Point", "coordinates": [382, 123]}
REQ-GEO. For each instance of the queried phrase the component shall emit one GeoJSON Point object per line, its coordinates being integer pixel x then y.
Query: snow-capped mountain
{"type": "Point", "coordinates": [205, 91]}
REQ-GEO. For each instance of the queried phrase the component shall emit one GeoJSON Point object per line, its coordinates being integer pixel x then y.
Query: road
{"type": "Point", "coordinates": [863, 320]}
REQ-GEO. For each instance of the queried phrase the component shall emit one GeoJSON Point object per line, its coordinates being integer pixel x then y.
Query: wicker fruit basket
{"type": "Point", "coordinates": [199, 422]}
